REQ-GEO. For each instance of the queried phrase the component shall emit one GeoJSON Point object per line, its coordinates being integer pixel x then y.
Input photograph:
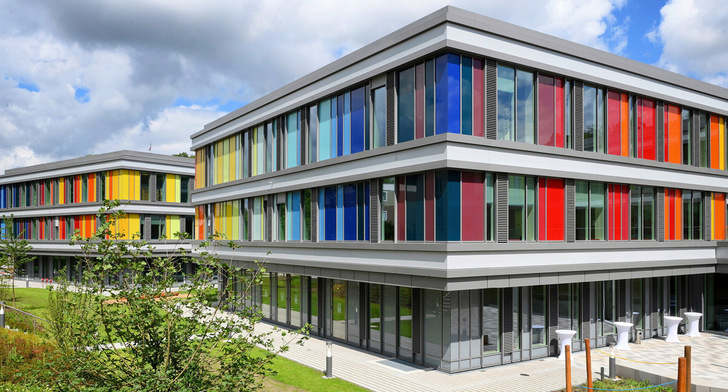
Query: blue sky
{"type": "Point", "coordinates": [93, 76]}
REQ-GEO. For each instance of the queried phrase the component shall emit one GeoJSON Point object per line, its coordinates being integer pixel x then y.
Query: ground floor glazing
{"type": "Point", "coordinates": [460, 330]}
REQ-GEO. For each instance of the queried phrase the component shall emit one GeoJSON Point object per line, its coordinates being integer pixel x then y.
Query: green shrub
{"type": "Point", "coordinates": [24, 358]}
{"type": "Point", "coordinates": [625, 384]}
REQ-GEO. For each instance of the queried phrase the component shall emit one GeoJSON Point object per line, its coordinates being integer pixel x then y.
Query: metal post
{"type": "Point", "coordinates": [601, 374]}
{"type": "Point", "coordinates": [2, 314]}
{"type": "Point", "coordinates": [612, 363]}
{"type": "Point", "coordinates": [681, 382]}
{"type": "Point", "coordinates": [27, 281]}
{"type": "Point", "coordinates": [329, 360]}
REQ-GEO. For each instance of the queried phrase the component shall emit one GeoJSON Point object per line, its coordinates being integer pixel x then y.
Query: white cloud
{"type": "Point", "coordinates": [694, 36]}
{"type": "Point", "coordinates": [136, 57]}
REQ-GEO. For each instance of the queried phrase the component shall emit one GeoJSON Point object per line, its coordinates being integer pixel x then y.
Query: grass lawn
{"type": "Point", "coordinates": [291, 376]}
{"type": "Point", "coordinates": [33, 301]}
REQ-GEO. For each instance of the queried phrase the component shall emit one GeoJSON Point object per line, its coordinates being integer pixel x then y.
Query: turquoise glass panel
{"type": "Point", "coordinates": [339, 126]}
{"type": "Point", "coordinates": [293, 141]}
{"type": "Point", "coordinates": [324, 115]}
{"type": "Point", "coordinates": [295, 216]}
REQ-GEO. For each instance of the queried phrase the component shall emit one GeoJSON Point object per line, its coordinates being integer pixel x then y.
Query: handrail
{"type": "Point", "coordinates": [33, 317]}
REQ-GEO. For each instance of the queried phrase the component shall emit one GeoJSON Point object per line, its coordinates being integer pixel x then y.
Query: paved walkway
{"type": "Point", "coordinates": [381, 373]}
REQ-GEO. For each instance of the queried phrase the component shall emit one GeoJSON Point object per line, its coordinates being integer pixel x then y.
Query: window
{"type": "Point", "coordinates": [158, 228]}
{"type": "Point", "coordinates": [703, 135]}
{"type": "Point", "coordinates": [447, 205]}
{"type": "Point", "coordinates": [551, 111]}
{"type": "Point", "coordinates": [589, 205]}
{"type": "Point", "coordinates": [717, 142]}
{"type": "Point", "coordinates": [673, 134]}
{"type": "Point", "coordinates": [538, 315]}
{"type": "Point", "coordinates": [687, 137]}
{"type": "Point", "coordinates": [642, 213]}
{"type": "Point", "coordinates": [618, 212]}
{"type": "Point", "coordinates": [184, 189]}
{"type": "Point", "coordinates": [161, 188]}
{"type": "Point", "coordinates": [594, 119]}
{"type": "Point", "coordinates": [307, 215]}
{"type": "Point", "coordinates": [717, 212]}
{"type": "Point", "coordinates": [551, 209]}
{"type": "Point", "coordinates": [645, 133]}
{"type": "Point", "coordinates": [293, 139]}
{"type": "Point", "coordinates": [516, 105]}
{"type": "Point", "coordinates": [379, 121]}
{"type": "Point", "coordinates": [293, 213]}
{"type": "Point", "coordinates": [439, 96]}
{"type": "Point", "coordinates": [618, 117]}
{"type": "Point", "coordinates": [281, 229]}
{"type": "Point", "coordinates": [673, 214]}
{"type": "Point", "coordinates": [692, 212]}
{"type": "Point", "coordinates": [144, 186]}
{"type": "Point", "coordinates": [521, 206]}
{"type": "Point", "coordinates": [387, 217]}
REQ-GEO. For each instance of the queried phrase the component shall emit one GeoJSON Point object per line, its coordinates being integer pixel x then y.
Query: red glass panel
{"type": "Point", "coordinates": [559, 112]}
{"type": "Point", "coordinates": [555, 210]}
{"type": "Point", "coordinates": [614, 128]}
{"type": "Point", "coordinates": [678, 214]}
{"type": "Point", "coordinates": [625, 212]}
{"type": "Point", "coordinates": [649, 129]}
{"type": "Point", "coordinates": [640, 142]}
{"type": "Point", "coordinates": [400, 209]}
{"type": "Point", "coordinates": [430, 207]}
{"type": "Point", "coordinates": [62, 228]}
{"type": "Point", "coordinates": [714, 142]}
{"type": "Point", "coordinates": [478, 98]}
{"type": "Point", "coordinates": [420, 101]}
{"type": "Point", "coordinates": [610, 212]}
{"type": "Point", "coordinates": [625, 125]}
{"type": "Point", "coordinates": [542, 209]}
{"type": "Point", "coordinates": [671, 209]}
{"type": "Point", "coordinates": [545, 110]}
{"type": "Point", "coordinates": [473, 211]}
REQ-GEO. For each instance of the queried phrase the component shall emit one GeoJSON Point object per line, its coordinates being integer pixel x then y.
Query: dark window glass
{"type": "Point", "coordinates": [405, 318]}
{"type": "Point", "coordinates": [415, 194]}
{"type": "Point", "coordinates": [687, 137]}
{"type": "Point", "coordinates": [703, 134]}
{"type": "Point", "coordinates": [697, 215]}
{"type": "Point", "coordinates": [307, 215]}
{"type": "Point", "coordinates": [582, 210]}
{"type": "Point", "coordinates": [161, 180]}
{"type": "Point", "coordinates": [388, 203]}
{"type": "Point", "coordinates": [406, 106]}
{"type": "Point", "coordinates": [144, 186]}
{"type": "Point", "coordinates": [184, 189]}
{"type": "Point", "coordinates": [379, 98]}
{"type": "Point", "coordinates": [157, 229]}
{"type": "Point", "coordinates": [648, 213]}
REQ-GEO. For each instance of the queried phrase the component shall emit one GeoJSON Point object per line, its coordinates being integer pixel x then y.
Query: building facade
{"type": "Point", "coordinates": [50, 202]}
{"type": "Point", "coordinates": [455, 192]}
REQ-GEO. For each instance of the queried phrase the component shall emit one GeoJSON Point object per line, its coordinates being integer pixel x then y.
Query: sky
{"type": "Point", "coordinates": [93, 76]}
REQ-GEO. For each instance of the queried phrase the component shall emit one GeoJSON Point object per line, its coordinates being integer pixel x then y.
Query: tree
{"type": "Point", "coordinates": [184, 155]}
{"type": "Point", "coordinates": [13, 250]}
{"type": "Point", "coordinates": [124, 327]}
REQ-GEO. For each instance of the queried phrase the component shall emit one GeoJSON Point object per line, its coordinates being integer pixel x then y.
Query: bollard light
{"type": "Point", "coordinates": [2, 314]}
{"type": "Point", "coordinates": [329, 359]}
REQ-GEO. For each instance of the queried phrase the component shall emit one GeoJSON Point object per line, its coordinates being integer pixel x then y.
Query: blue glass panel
{"type": "Point", "coordinates": [330, 219]}
{"type": "Point", "coordinates": [429, 97]}
{"type": "Point", "coordinates": [441, 94]}
{"type": "Point", "coordinates": [367, 117]}
{"type": "Point", "coordinates": [467, 91]}
{"type": "Point", "coordinates": [406, 105]}
{"type": "Point", "coordinates": [295, 218]}
{"type": "Point", "coordinates": [347, 123]}
{"type": "Point", "coordinates": [366, 211]}
{"type": "Point", "coordinates": [324, 129]}
{"type": "Point", "coordinates": [453, 93]}
{"type": "Point", "coordinates": [360, 211]}
{"type": "Point", "coordinates": [357, 120]}
{"type": "Point", "coordinates": [339, 213]}
{"type": "Point", "coordinates": [340, 126]}
{"type": "Point", "coordinates": [415, 197]}
{"type": "Point", "coordinates": [321, 215]}
{"type": "Point", "coordinates": [453, 205]}
{"type": "Point", "coordinates": [350, 215]}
